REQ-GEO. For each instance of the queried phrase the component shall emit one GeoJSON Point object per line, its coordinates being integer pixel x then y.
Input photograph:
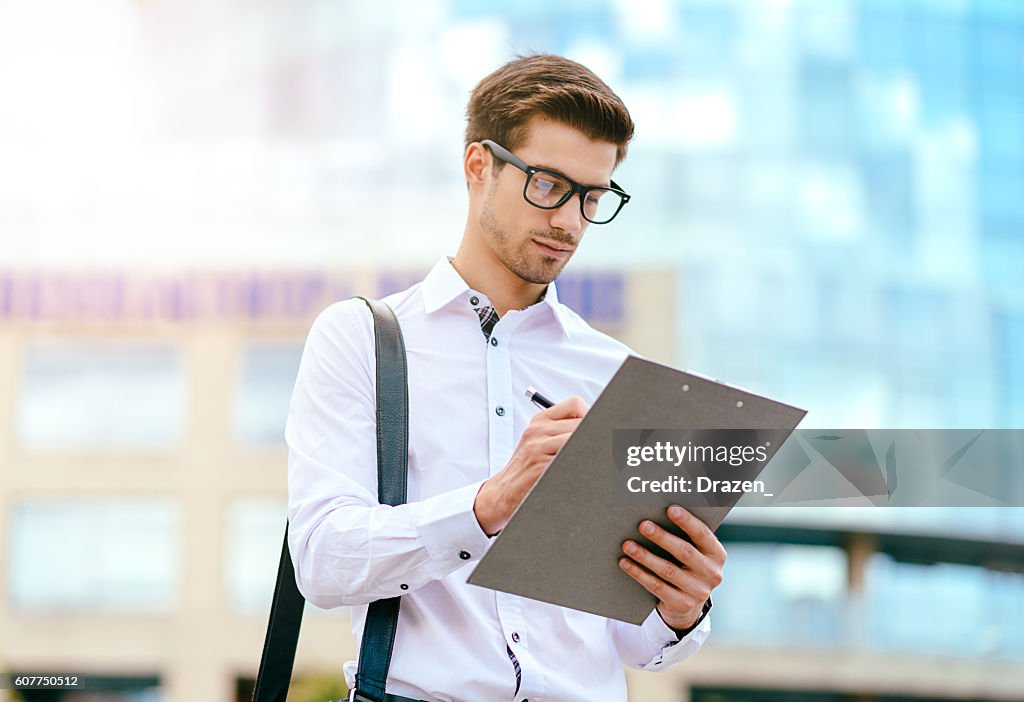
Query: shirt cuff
{"type": "Point", "coordinates": [681, 633]}
{"type": "Point", "coordinates": [674, 648]}
{"type": "Point", "coordinates": [449, 529]}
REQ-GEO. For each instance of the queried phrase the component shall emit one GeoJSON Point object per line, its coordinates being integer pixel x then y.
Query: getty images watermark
{"type": "Point", "coordinates": [716, 468]}
{"type": "Point", "coordinates": [691, 454]}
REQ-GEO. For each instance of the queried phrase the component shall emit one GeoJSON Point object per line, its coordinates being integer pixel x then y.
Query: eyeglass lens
{"type": "Point", "coordinates": [549, 189]}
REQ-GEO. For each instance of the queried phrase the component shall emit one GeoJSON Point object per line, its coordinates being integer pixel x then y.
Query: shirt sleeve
{"type": "Point", "coordinates": [347, 548]}
{"type": "Point", "coordinates": [653, 645]}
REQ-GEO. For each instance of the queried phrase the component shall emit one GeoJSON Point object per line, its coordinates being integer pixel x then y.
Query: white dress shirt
{"type": "Point", "coordinates": [467, 410]}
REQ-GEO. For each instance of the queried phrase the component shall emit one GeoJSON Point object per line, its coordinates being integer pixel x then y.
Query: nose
{"type": "Point", "coordinates": [568, 217]}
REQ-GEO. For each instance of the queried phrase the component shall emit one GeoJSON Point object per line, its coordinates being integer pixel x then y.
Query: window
{"type": "Point", "coordinates": [255, 527]}
{"type": "Point", "coordinates": [101, 396]}
{"type": "Point", "coordinates": [264, 391]}
{"type": "Point", "coordinates": [1011, 347]}
{"type": "Point", "coordinates": [902, 600]}
{"type": "Point", "coordinates": [114, 555]}
{"type": "Point", "coordinates": [780, 593]}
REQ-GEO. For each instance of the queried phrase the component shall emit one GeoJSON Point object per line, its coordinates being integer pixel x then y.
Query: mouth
{"type": "Point", "coordinates": [554, 249]}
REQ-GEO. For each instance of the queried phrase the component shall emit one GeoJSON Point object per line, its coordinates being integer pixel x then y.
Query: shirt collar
{"type": "Point", "coordinates": [444, 284]}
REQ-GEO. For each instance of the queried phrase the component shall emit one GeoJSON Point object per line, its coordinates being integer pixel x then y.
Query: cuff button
{"type": "Point", "coordinates": [464, 555]}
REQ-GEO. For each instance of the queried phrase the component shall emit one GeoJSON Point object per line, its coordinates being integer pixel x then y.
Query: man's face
{"type": "Point", "coordinates": [532, 243]}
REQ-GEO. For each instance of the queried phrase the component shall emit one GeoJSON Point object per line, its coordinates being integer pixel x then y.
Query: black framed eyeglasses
{"type": "Point", "coordinates": [549, 189]}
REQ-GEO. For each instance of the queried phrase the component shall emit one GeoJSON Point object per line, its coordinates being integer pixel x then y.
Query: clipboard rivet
{"type": "Point", "coordinates": [686, 388]}
{"type": "Point", "coordinates": [739, 403]}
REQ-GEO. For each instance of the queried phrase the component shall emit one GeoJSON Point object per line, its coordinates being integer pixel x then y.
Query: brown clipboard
{"type": "Point", "coordinates": [563, 544]}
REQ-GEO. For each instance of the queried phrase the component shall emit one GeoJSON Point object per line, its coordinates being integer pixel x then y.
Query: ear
{"type": "Point", "coordinates": [476, 165]}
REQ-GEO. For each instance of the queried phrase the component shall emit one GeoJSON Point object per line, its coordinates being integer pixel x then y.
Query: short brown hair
{"type": "Point", "coordinates": [502, 104]}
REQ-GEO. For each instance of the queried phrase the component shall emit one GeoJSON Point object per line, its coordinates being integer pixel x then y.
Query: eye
{"type": "Point", "coordinates": [543, 185]}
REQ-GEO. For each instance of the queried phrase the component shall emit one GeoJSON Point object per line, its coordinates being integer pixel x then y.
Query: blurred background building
{"type": "Point", "coordinates": [827, 194]}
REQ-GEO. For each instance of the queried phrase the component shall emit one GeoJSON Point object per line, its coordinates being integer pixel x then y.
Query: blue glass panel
{"type": "Point", "coordinates": [883, 41]}
{"type": "Point", "coordinates": [827, 124]}
{"type": "Point", "coordinates": [902, 601]}
{"type": "Point", "coordinates": [1011, 353]}
{"type": "Point", "coordinates": [781, 594]}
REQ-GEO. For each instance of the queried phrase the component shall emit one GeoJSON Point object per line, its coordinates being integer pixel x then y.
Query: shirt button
{"type": "Point", "coordinates": [515, 636]}
{"type": "Point", "coordinates": [474, 300]}
{"type": "Point", "coordinates": [494, 341]}
{"type": "Point", "coordinates": [464, 555]}
{"type": "Point", "coordinates": [404, 586]}
{"type": "Point", "coordinates": [500, 411]}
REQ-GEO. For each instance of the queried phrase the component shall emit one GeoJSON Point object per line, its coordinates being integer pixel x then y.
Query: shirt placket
{"type": "Point", "coordinates": [501, 444]}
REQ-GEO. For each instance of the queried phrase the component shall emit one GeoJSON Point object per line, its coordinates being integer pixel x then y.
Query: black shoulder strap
{"type": "Point", "coordinates": [282, 633]}
{"type": "Point", "coordinates": [392, 469]}
{"type": "Point", "coordinates": [392, 472]}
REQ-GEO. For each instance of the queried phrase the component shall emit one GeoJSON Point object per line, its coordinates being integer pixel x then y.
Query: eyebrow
{"type": "Point", "coordinates": [559, 172]}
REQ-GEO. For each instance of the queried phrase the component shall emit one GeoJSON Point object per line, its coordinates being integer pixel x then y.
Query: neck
{"type": "Point", "coordinates": [485, 274]}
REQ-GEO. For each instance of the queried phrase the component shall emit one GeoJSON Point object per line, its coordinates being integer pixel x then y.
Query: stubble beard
{"type": "Point", "coordinates": [523, 259]}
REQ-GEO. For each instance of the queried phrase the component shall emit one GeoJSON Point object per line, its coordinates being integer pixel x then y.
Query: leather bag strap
{"type": "Point", "coordinates": [392, 473]}
{"type": "Point", "coordinates": [378, 642]}
{"type": "Point", "coordinates": [282, 633]}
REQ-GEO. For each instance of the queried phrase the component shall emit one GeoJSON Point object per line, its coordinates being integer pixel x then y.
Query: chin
{"type": "Point", "coordinates": [542, 275]}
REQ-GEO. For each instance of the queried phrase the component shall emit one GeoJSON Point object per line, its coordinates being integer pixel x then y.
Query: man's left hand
{"type": "Point", "coordinates": [682, 586]}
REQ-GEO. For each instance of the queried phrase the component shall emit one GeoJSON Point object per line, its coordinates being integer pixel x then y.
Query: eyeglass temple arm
{"type": "Point", "coordinates": [505, 155]}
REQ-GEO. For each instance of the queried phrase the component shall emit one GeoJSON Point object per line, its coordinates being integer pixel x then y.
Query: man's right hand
{"type": "Point", "coordinates": [501, 494]}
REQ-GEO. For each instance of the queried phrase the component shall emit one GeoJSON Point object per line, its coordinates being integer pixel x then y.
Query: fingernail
{"type": "Point", "coordinates": [647, 527]}
{"type": "Point", "coordinates": [624, 564]}
{"type": "Point", "coordinates": [630, 547]}
{"type": "Point", "coordinates": [675, 511]}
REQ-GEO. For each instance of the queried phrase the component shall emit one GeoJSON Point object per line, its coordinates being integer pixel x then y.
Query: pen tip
{"type": "Point", "coordinates": [531, 391]}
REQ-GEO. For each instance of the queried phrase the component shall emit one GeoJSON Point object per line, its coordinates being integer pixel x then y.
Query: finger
{"type": "Point", "coordinates": [682, 550]}
{"type": "Point", "coordinates": [706, 569]}
{"type": "Point", "coordinates": [672, 597]}
{"type": "Point", "coordinates": [554, 427]}
{"type": "Point", "coordinates": [661, 567]}
{"type": "Point", "coordinates": [553, 444]}
{"type": "Point", "coordinates": [699, 532]}
{"type": "Point", "coordinates": [570, 407]}
{"type": "Point", "coordinates": [696, 585]}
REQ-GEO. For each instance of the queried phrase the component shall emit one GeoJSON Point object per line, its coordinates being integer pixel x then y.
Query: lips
{"type": "Point", "coordinates": [554, 248]}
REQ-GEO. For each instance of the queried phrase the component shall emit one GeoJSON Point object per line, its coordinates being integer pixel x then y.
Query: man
{"type": "Point", "coordinates": [543, 137]}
